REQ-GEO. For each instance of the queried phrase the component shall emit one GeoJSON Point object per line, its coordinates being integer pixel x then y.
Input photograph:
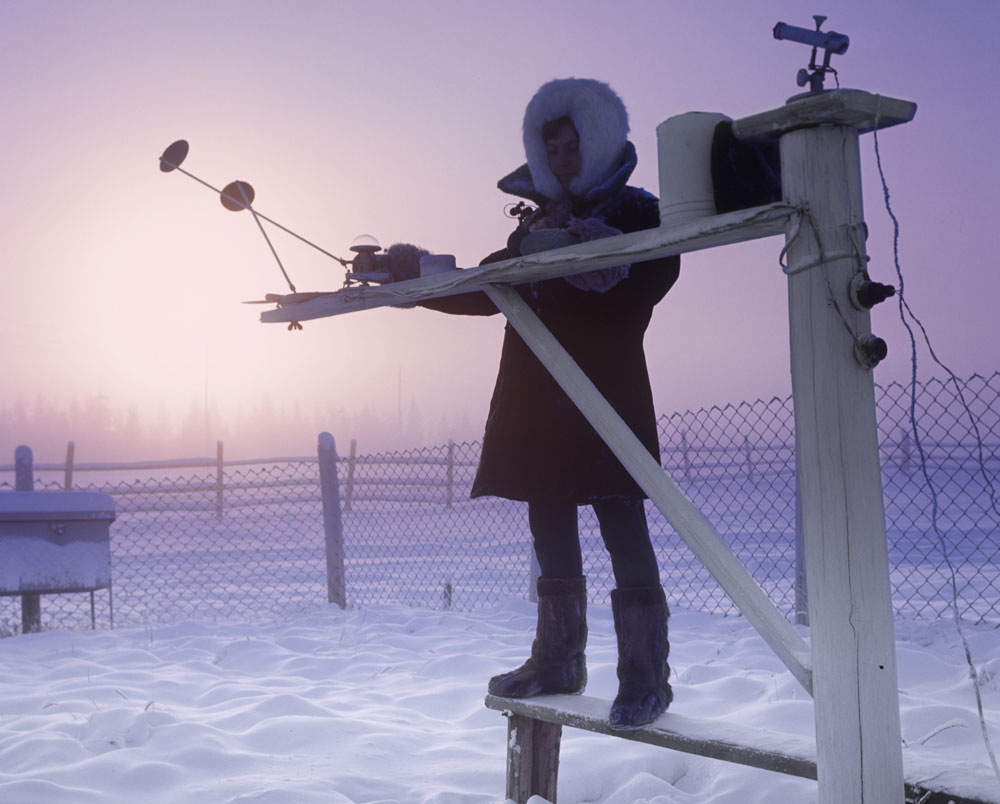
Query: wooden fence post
{"type": "Point", "coordinates": [450, 472]}
{"type": "Point", "coordinates": [905, 445]}
{"type": "Point", "coordinates": [24, 469]}
{"type": "Point", "coordinates": [24, 480]}
{"type": "Point", "coordinates": [749, 456]}
{"type": "Point", "coordinates": [70, 454]}
{"type": "Point", "coordinates": [349, 484]}
{"type": "Point", "coordinates": [336, 587]}
{"type": "Point", "coordinates": [219, 480]}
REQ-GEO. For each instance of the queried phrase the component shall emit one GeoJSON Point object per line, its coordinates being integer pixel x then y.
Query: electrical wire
{"type": "Point", "coordinates": [904, 310]}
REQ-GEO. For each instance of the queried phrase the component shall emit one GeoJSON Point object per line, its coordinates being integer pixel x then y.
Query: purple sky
{"type": "Point", "coordinates": [396, 119]}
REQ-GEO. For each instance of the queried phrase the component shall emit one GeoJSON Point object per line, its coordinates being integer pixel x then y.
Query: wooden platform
{"type": "Point", "coordinates": [535, 729]}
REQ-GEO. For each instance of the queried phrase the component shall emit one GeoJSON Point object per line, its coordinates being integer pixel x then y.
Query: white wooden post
{"type": "Point", "coordinates": [859, 749]}
{"type": "Point", "coordinates": [801, 587]}
{"type": "Point", "coordinates": [333, 528]}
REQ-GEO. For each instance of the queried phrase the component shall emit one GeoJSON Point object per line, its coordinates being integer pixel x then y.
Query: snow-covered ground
{"type": "Point", "coordinates": [383, 703]}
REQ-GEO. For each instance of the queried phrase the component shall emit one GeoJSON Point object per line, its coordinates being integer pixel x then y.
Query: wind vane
{"type": "Point", "coordinates": [829, 41]}
{"type": "Point", "coordinates": [236, 196]}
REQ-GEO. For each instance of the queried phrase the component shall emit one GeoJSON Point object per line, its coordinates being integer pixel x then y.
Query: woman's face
{"type": "Point", "coordinates": [564, 154]}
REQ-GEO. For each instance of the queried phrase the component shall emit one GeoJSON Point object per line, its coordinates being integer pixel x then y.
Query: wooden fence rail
{"type": "Point", "coordinates": [389, 477]}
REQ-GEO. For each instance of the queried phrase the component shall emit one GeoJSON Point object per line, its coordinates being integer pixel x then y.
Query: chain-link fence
{"type": "Point", "coordinates": [245, 540]}
{"type": "Point", "coordinates": [239, 540]}
{"type": "Point", "coordinates": [942, 509]}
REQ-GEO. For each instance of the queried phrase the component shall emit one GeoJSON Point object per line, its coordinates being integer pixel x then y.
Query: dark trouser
{"type": "Point", "coordinates": [623, 528]}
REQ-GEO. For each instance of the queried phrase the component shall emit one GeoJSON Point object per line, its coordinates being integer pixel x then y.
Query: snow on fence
{"type": "Point", "coordinates": [217, 539]}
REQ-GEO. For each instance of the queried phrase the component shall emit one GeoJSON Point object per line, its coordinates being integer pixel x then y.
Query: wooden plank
{"type": "Point", "coordinates": [689, 523]}
{"type": "Point", "coordinates": [717, 230]}
{"type": "Point", "coordinates": [716, 739]}
{"type": "Point", "coordinates": [860, 110]}
{"type": "Point", "coordinates": [928, 781]}
{"type": "Point", "coordinates": [839, 479]}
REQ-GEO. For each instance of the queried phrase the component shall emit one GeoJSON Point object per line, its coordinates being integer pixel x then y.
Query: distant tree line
{"type": "Point", "coordinates": [103, 429]}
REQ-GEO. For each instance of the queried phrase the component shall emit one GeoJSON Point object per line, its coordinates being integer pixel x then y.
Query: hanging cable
{"type": "Point", "coordinates": [904, 310]}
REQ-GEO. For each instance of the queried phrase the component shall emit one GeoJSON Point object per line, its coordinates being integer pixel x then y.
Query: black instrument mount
{"type": "Point", "coordinates": [829, 42]}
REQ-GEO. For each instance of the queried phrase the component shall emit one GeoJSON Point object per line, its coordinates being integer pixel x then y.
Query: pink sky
{"type": "Point", "coordinates": [396, 119]}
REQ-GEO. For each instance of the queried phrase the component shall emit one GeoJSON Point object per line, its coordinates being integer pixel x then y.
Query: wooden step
{"type": "Point", "coordinates": [535, 725]}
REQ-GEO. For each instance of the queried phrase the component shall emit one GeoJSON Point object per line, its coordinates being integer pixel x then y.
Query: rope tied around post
{"type": "Point", "coordinates": [858, 231]}
{"type": "Point", "coordinates": [802, 212]}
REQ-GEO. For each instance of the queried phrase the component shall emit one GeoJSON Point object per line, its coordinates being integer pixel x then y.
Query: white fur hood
{"type": "Point", "coordinates": [600, 119]}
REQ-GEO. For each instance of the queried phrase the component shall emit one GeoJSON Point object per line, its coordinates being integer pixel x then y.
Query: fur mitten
{"type": "Point", "coordinates": [591, 229]}
{"type": "Point", "coordinates": [402, 261]}
{"type": "Point", "coordinates": [604, 278]}
{"type": "Point", "coordinates": [555, 215]}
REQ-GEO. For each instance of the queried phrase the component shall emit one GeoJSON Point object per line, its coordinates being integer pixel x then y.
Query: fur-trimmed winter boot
{"type": "Point", "coordinates": [557, 664]}
{"type": "Point", "coordinates": [641, 625]}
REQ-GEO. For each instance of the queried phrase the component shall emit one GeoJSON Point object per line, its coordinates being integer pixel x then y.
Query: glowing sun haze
{"type": "Point", "coordinates": [396, 119]}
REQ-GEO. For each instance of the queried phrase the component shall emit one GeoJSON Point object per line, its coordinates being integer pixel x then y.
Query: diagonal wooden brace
{"type": "Point", "coordinates": [689, 523]}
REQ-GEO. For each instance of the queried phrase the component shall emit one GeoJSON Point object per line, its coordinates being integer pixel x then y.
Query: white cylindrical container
{"type": "Point", "coordinates": [684, 143]}
{"type": "Point", "coordinates": [437, 264]}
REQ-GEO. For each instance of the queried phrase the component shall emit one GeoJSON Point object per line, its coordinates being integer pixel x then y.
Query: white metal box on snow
{"type": "Point", "coordinates": [55, 541]}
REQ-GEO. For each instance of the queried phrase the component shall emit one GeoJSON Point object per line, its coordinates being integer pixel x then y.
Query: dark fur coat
{"type": "Point", "coordinates": [537, 445]}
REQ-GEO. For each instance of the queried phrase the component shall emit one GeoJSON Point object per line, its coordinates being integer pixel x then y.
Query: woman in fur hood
{"type": "Point", "coordinates": [537, 446]}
